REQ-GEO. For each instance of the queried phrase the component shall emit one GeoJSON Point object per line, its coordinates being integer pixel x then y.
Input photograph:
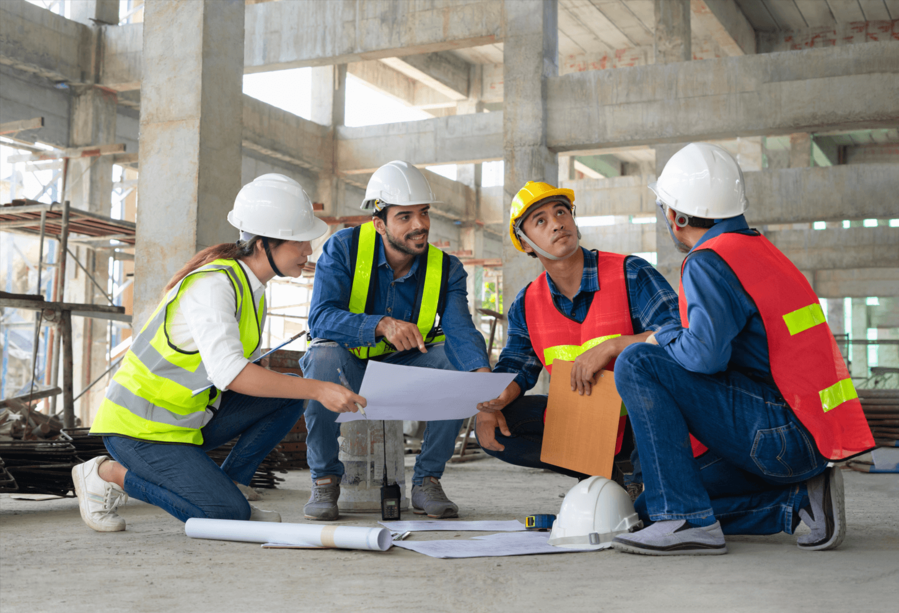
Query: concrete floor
{"type": "Point", "coordinates": [49, 560]}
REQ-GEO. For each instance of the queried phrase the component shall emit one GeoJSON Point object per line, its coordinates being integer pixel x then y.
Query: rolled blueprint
{"type": "Point", "coordinates": [297, 535]}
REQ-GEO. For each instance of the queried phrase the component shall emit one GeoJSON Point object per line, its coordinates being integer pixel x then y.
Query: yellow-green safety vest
{"type": "Point", "coordinates": [150, 397]}
{"type": "Point", "coordinates": [430, 297]}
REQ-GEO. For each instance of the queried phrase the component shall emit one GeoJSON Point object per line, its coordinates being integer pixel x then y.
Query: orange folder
{"type": "Point", "coordinates": [581, 431]}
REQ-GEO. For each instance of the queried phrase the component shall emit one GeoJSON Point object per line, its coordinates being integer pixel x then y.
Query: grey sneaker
{"type": "Point", "coordinates": [826, 513]}
{"type": "Point", "coordinates": [98, 499]}
{"type": "Point", "coordinates": [322, 503]}
{"type": "Point", "coordinates": [676, 537]}
{"type": "Point", "coordinates": [429, 499]}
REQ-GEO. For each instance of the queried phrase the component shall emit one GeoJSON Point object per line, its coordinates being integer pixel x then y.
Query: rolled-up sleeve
{"type": "Point", "coordinates": [329, 315]}
{"type": "Point", "coordinates": [518, 356]}
{"type": "Point", "coordinates": [208, 307]}
{"type": "Point", "coordinates": [465, 346]}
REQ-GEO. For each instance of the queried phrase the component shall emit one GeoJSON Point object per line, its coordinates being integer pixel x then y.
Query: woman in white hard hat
{"type": "Point", "coordinates": [158, 419]}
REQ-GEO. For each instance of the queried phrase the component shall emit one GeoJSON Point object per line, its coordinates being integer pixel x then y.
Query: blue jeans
{"type": "Point", "coordinates": [185, 482]}
{"type": "Point", "coordinates": [321, 363]}
{"type": "Point", "coordinates": [753, 477]}
{"type": "Point", "coordinates": [524, 417]}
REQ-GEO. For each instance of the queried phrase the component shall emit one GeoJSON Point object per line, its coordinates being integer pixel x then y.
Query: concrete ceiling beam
{"type": "Point", "coordinates": [777, 93]}
{"type": "Point", "coordinates": [458, 139]}
{"type": "Point", "coordinates": [302, 33]}
{"type": "Point", "coordinates": [441, 71]}
{"type": "Point", "coordinates": [839, 248]}
{"type": "Point", "coordinates": [725, 23]}
{"type": "Point", "coordinates": [856, 283]}
{"type": "Point", "coordinates": [794, 195]}
{"type": "Point", "coordinates": [39, 41]}
{"type": "Point", "coordinates": [399, 86]}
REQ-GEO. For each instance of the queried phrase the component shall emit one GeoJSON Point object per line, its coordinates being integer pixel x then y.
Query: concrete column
{"type": "Point", "coordinates": [530, 56]}
{"type": "Point", "coordinates": [888, 355]}
{"type": "Point", "coordinates": [859, 333]}
{"type": "Point", "coordinates": [836, 319]}
{"type": "Point", "coordinates": [191, 132]}
{"type": "Point", "coordinates": [89, 187]}
{"type": "Point", "coordinates": [672, 40]}
{"type": "Point", "coordinates": [95, 12]}
{"type": "Point", "coordinates": [566, 168]}
{"type": "Point", "coordinates": [800, 150]}
{"type": "Point", "coordinates": [669, 259]}
{"type": "Point", "coordinates": [472, 237]}
{"type": "Point", "coordinates": [329, 109]}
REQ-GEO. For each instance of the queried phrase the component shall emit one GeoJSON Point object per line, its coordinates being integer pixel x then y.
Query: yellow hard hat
{"type": "Point", "coordinates": [531, 193]}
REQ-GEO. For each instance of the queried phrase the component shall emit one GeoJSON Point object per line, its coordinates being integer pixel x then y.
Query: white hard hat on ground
{"type": "Point", "coordinates": [275, 206]}
{"type": "Point", "coordinates": [594, 512]}
{"type": "Point", "coordinates": [397, 183]}
{"type": "Point", "coordinates": [702, 180]}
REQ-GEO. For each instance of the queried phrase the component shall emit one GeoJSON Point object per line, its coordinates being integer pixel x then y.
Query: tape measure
{"type": "Point", "coordinates": [539, 522]}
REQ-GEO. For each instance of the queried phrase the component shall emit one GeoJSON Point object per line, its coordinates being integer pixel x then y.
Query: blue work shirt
{"type": "Point", "coordinates": [330, 318]}
{"type": "Point", "coordinates": [726, 330]}
{"type": "Point", "coordinates": [653, 304]}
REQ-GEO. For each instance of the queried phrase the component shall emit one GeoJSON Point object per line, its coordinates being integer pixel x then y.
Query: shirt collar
{"type": "Point", "coordinates": [734, 224]}
{"type": "Point", "coordinates": [255, 284]}
{"type": "Point", "coordinates": [382, 259]}
{"type": "Point", "coordinates": [589, 278]}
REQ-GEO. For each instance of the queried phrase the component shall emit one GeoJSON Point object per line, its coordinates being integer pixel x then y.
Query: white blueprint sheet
{"type": "Point", "coordinates": [493, 546]}
{"type": "Point", "coordinates": [440, 525]}
{"type": "Point", "coordinates": [424, 394]}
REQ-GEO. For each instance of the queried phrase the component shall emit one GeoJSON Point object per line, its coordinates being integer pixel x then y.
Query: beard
{"type": "Point", "coordinates": [401, 246]}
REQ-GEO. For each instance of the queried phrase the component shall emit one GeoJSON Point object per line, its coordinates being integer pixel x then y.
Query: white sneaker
{"type": "Point", "coordinates": [98, 499]}
{"type": "Point", "coordinates": [260, 515]}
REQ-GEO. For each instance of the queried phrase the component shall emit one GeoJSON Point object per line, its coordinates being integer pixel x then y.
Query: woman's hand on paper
{"type": "Point", "coordinates": [486, 426]}
{"type": "Point", "coordinates": [509, 394]}
{"type": "Point", "coordinates": [338, 399]}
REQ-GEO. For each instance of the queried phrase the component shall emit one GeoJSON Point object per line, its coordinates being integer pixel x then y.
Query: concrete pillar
{"type": "Point", "coordinates": [329, 109]}
{"type": "Point", "coordinates": [888, 355]}
{"type": "Point", "coordinates": [800, 150]}
{"type": "Point", "coordinates": [89, 187]}
{"type": "Point", "coordinates": [775, 158]}
{"type": "Point", "coordinates": [672, 40]}
{"type": "Point", "coordinates": [95, 12]}
{"type": "Point", "coordinates": [567, 171]}
{"type": "Point", "coordinates": [530, 56]}
{"type": "Point", "coordinates": [836, 319]}
{"type": "Point", "coordinates": [191, 133]}
{"type": "Point", "coordinates": [859, 333]}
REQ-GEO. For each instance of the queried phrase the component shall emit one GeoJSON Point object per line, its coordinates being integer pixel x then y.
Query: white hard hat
{"type": "Point", "coordinates": [397, 183]}
{"type": "Point", "coordinates": [702, 180]}
{"type": "Point", "coordinates": [276, 206]}
{"type": "Point", "coordinates": [594, 512]}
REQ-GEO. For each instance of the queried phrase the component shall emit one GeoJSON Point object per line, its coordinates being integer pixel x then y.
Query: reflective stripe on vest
{"type": "Point", "coordinates": [431, 290]}
{"type": "Point", "coordinates": [555, 336]}
{"type": "Point", "coordinates": [806, 364]}
{"type": "Point", "coordinates": [151, 396]}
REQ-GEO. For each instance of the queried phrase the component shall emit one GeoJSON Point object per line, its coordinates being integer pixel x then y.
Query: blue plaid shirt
{"type": "Point", "coordinates": [653, 304]}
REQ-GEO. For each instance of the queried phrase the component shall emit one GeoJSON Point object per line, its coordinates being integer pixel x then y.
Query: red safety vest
{"type": "Point", "coordinates": [556, 336]}
{"type": "Point", "coordinates": [806, 363]}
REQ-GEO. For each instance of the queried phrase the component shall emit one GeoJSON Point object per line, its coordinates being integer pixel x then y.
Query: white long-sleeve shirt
{"type": "Point", "coordinates": [205, 321]}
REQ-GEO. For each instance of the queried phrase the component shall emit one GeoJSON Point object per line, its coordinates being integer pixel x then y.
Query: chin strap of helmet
{"type": "Point", "coordinates": [271, 260]}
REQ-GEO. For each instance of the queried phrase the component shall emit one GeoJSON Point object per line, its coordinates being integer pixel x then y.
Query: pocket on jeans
{"type": "Point", "coordinates": [783, 452]}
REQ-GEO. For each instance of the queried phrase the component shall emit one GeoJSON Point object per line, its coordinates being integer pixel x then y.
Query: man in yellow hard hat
{"type": "Point", "coordinates": [586, 308]}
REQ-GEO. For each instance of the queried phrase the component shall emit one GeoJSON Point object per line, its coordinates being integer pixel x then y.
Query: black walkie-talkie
{"type": "Point", "coordinates": [390, 494]}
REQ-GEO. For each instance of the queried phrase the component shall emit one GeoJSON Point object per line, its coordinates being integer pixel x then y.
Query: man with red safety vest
{"type": "Point", "coordinates": [752, 372]}
{"type": "Point", "coordinates": [585, 308]}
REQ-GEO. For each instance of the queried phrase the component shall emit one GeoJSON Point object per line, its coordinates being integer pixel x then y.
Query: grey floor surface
{"type": "Point", "coordinates": [50, 561]}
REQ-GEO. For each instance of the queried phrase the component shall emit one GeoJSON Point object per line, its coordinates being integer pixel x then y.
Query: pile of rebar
{"type": "Point", "coordinates": [881, 409]}
{"type": "Point", "coordinates": [264, 477]}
